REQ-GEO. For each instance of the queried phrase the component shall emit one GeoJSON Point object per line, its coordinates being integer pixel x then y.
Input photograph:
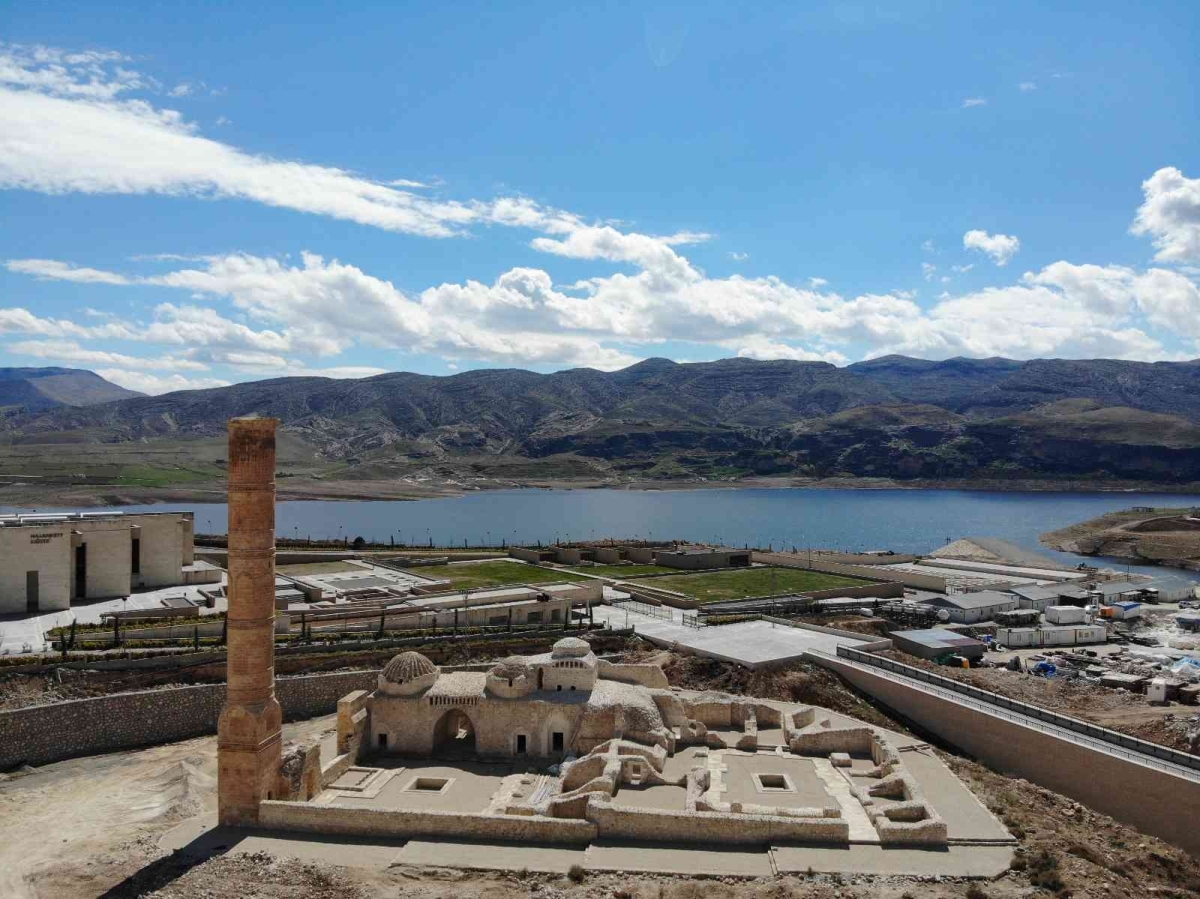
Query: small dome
{"type": "Point", "coordinates": [570, 648]}
{"type": "Point", "coordinates": [512, 667]}
{"type": "Point", "coordinates": [406, 667]}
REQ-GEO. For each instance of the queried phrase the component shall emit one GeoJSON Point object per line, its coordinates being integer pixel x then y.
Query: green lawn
{"type": "Point", "coordinates": [721, 585]}
{"type": "Point", "coordinates": [469, 575]}
{"type": "Point", "coordinates": [621, 570]}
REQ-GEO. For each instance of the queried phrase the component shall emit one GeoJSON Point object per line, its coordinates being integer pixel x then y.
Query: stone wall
{"type": "Point", "coordinates": [1148, 798]}
{"type": "Point", "coordinates": [697, 827]}
{"type": "Point", "coordinates": [332, 819]}
{"type": "Point", "coordinates": [64, 730]}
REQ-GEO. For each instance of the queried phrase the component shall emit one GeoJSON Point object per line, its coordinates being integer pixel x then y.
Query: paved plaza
{"type": "Point", "coordinates": [751, 643]}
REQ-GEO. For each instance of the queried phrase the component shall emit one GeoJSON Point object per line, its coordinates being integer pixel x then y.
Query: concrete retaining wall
{"type": "Point", "coordinates": [1150, 799]}
{"type": "Point", "coordinates": [50, 733]}
{"type": "Point", "coordinates": [358, 821]}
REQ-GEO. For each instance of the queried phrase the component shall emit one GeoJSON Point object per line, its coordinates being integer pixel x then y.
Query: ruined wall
{"type": "Point", "coordinates": [64, 730]}
{"type": "Point", "coordinates": [692, 827]}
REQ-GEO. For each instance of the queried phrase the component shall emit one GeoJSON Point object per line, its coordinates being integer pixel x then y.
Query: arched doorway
{"type": "Point", "coordinates": [454, 734]}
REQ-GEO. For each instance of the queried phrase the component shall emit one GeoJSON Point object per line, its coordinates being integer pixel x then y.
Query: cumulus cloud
{"type": "Point", "coordinates": [146, 382]}
{"type": "Point", "coordinates": [1000, 247]}
{"type": "Point", "coordinates": [970, 102]}
{"type": "Point", "coordinates": [71, 352]}
{"type": "Point", "coordinates": [928, 270]}
{"type": "Point", "coordinates": [739, 257]}
{"type": "Point", "coordinates": [1170, 215]}
{"type": "Point", "coordinates": [1027, 86]}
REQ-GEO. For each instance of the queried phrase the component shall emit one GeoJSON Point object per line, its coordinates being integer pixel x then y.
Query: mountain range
{"type": "Point", "coordinates": [38, 389]}
{"type": "Point", "coordinates": [894, 417]}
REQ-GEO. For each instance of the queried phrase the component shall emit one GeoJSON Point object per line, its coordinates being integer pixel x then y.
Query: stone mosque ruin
{"type": "Point", "coordinates": [563, 747]}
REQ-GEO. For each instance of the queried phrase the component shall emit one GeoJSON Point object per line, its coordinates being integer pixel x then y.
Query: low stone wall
{"type": "Point", "coordinates": [347, 821]}
{"type": "Point", "coordinates": [697, 827]}
{"type": "Point", "coordinates": [64, 730]}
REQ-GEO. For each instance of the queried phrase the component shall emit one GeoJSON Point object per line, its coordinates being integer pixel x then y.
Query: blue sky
{"type": "Point", "coordinates": [206, 194]}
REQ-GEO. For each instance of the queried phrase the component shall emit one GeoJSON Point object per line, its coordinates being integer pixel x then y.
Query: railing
{"type": "Point", "coordinates": [692, 619]}
{"type": "Point", "coordinates": [1132, 747]}
{"type": "Point", "coordinates": [643, 608]}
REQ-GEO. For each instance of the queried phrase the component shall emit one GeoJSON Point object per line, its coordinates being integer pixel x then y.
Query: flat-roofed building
{"type": "Point", "coordinates": [48, 561]}
{"type": "Point", "coordinates": [701, 559]}
{"type": "Point", "coordinates": [1041, 598]}
{"type": "Point", "coordinates": [935, 642]}
{"type": "Point", "coordinates": [967, 608]}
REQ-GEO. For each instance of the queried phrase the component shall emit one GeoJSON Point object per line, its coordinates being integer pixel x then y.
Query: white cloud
{"type": "Point", "coordinates": [963, 269]}
{"type": "Point", "coordinates": [1170, 214]}
{"type": "Point", "coordinates": [762, 348]}
{"type": "Point", "coordinates": [223, 120]}
{"type": "Point", "coordinates": [66, 128]}
{"type": "Point", "coordinates": [1000, 247]}
{"type": "Point", "coordinates": [71, 352]}
{"type": "Point", "coordinates": [817, 283]}
{"type": "Point", "coordinates": [145, 382]}
{"type": "Point", "coordinates": [739, 257]}
{"type": "Point", "coordinates": [1027, 86]}
{"type": "Point", "coordinates": [928, 246]}
{"type": "Point", "coordinates": [928, 271]}
{"type": "Point", "coordinates": [53, 270]}
{"type": "Point", "coordinates": [970, 102]}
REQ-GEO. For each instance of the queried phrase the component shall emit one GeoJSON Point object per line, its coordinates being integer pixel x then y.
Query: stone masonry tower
{"type": "Point", "coordinates": [249, 734]}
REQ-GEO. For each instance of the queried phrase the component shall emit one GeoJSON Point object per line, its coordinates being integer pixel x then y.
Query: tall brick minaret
{"type": "Point", "coordinates": [249, 734]}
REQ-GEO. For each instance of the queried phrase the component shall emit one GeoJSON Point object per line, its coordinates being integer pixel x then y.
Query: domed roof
{"type": "Point", "coordinates": [513, 666]}
{"type": "Point", "coordinates": [408, 666]}
{"type": "Point", "coordinates": [570, 648]}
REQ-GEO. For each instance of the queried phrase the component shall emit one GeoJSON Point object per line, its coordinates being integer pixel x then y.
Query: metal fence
{"type": "Point", "coordinates": [643, 608]}
{"type": "Point", "coordinates": [1131, 747]}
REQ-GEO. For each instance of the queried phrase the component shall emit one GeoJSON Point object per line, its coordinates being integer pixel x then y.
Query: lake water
{"type": "Point", "coordinates": [901, 520]}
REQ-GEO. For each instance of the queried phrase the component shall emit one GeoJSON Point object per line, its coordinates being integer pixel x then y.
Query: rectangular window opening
{"type": "Point", "coordinates": [557, 741]}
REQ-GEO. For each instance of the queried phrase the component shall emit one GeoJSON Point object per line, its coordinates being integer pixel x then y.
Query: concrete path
{"type": "Point", "coordinates": [750, 643]}
{"type": "Point", "coordinates": [957, 861]}
{"type": "Point", "coordinates": [490, 856]}
{"type": "Point", "coordinates": [649, 858]}
{"type": "Point", "coordinates": [965, 816]}
{"type": "Point", "coordinates": [853, 813]}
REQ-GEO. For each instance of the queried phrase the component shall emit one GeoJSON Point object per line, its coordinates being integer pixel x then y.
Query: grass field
{"type": "Point", "coordinates": [621, 570]}
{"type": "Point", "coordinates": [722, 585]}
{"type": "Point", "coordinates": [301, 568]}
{"type": "Point", "coordinates": [468, 575]}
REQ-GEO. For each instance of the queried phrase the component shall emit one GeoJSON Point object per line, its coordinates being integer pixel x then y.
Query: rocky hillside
{"type": "Point", "coordinates": [26, 390]}
{"type": "Point", "coordinates": [892, 417]}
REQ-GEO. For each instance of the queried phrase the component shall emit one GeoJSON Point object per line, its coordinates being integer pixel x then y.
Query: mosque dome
{"type": "Point", "coordinates": [570, 648]}
{"type": "Point", "coordinates": [407, 666]}
{"type": "Point", "coordinates": [512, 667]}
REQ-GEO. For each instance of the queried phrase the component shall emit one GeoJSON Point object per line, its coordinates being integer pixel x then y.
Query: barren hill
{"type": "Point", "coordinates": [894, 417]}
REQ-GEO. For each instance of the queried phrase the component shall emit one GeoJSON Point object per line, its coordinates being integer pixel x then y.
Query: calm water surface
{"type": "Point", "coordinates": [902, 520]}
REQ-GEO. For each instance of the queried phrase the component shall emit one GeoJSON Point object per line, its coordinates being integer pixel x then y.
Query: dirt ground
{"type": "Point", "coordinates": [1171, 725]}
{"type": "Point", "coordinates": [90, 828]}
